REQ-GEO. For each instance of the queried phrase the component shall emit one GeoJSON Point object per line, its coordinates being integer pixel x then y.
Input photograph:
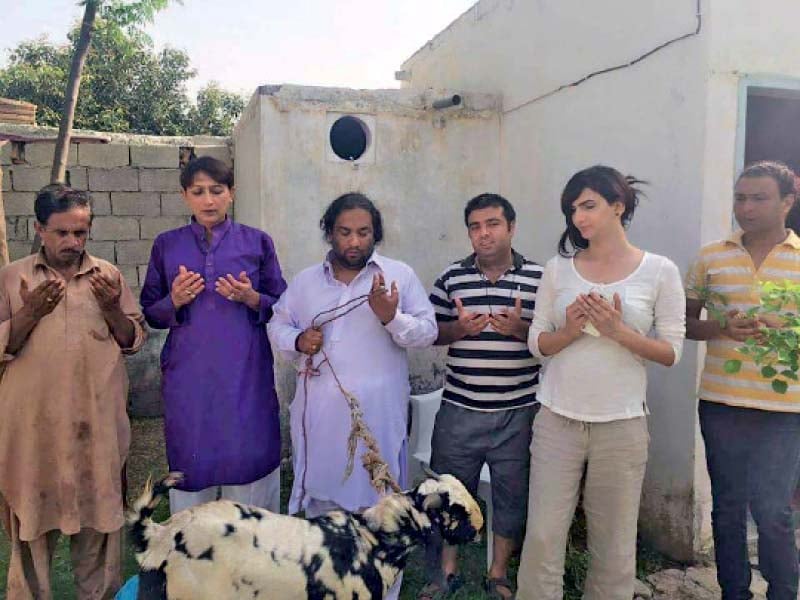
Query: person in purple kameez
{"type": "Point", "coordinates": [212, 284]}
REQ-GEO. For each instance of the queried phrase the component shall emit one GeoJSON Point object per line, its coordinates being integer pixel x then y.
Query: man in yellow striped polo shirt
{"type": "Point", "coordinates": [751, 432]}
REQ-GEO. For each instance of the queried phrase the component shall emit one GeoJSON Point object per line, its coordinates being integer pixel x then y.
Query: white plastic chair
{"type": "Point", "coordinates": [423, 413]}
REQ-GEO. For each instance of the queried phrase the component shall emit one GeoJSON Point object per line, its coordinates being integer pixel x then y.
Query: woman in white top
{"type": "Point", "coordinates": [597, 303]}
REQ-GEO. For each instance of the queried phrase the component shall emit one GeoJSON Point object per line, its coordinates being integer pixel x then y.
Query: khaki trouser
{"type": "Point", "coordinates": [613, 456]}
{"type": "Point", "coordinates": [96, 562]}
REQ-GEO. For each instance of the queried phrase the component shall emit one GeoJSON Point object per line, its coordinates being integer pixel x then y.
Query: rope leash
{"type": "Point", "coordinates": [380, 476]}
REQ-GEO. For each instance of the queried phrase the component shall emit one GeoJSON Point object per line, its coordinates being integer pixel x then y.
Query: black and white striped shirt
{"type": "Point", "coordinates": [489, 371]}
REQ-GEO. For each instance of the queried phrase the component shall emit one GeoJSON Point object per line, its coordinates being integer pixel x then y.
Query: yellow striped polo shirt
{"type": "Point", "coordinates": [726, 268]}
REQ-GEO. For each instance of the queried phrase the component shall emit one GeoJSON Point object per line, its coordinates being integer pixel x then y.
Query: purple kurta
{"type": "Point", "coordinates": [221, 411]}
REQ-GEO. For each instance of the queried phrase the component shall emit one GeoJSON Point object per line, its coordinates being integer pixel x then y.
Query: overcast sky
{"type": "Point", "coordinates": [243, 44]}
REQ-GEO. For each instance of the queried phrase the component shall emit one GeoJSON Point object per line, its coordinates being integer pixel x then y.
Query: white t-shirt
{"type": "Point", "coordinates": [596, 379]}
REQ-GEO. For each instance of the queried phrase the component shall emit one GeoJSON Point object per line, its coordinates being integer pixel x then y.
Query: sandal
{"type": "Point", "coordinates": [434, 590]}
{"type": "Point", "coordinates": [491, 585]}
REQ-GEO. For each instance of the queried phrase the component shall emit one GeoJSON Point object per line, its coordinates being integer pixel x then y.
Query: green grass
{"type": "Point", "coordinates": [147, 456]}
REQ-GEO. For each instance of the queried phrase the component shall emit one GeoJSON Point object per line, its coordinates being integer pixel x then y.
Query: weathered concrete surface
{"type": "Point", "coordinates": [427, 165]}
{"type": "Point", "coordinates": [681, 134]}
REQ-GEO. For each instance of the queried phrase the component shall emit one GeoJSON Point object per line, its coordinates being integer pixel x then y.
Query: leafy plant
{"type": "Point", "coordinates": [776, 350]}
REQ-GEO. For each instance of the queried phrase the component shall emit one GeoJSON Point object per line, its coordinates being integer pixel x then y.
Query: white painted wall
{"type": "Point", "coordinates": [427, 165]}
{"type": "Point", "coordinates": [670, 119]}
{"type": "Point", "coordinates": [647, 120]}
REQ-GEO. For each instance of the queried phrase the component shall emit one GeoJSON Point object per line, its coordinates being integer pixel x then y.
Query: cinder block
{"type": "Point", "coordinates": [152, 226]}
{"type": "Point", "coordinates": [18, 203]}
{"type": "Point", "coordinates": [40, 154]}
{"type": "Point", "coordinates": [130, 274]}
{"type": "Point", "coordinates": [17, 250]}
{"type": "Point", "coordinates": [77, 178]}
{"type": "Point", "coordinates": [222, 153]}
{"type": "Point", "coordinates": [114, 180]}
{"type": "Point", "coordinates": [136, 203]}
{"type": "Point", "coordinates": [17, 228]}
{"type": "Point", "coordinates": [101, 203]}
{"type": "Point", "coordinates": [133, 252]}
{"type": "Point", "coordinates": [160, 180]}
{"type": "Point", "coordinates": [5, 176]}
{"type": "Point", "coordinates": [155, 157]}
{"type": "Point", "coordinates": [30, 229]}
{"type": "Point", "coordinates": [115, 228]}
{"type": "Point", "coordinates": [28, 179]}
{"type": "Point", "coordinates": [104, 250]}
{"type": "Point", "coordinates": [173, 205]}
{"type": "Point", "coordinates": [104, 156]}
{"type": "Point", "coordinates": [5, 153]}
{"type": "Point", "coordinates": [142, 273]}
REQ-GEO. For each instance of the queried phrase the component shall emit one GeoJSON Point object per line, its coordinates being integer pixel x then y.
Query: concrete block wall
{"type": "Point", "coordinates": [135, 189]}
{"type": "Point", "coordinates": [136, 192]}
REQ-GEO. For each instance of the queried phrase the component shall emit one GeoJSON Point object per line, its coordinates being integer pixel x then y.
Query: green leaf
{"type": "Point", "coordinates": [768, 372]}
{"type": "Point", "coordinates": [789, 374]}
{"type": "Point", "coordinates": [732, 366]}
{"type": "Point", "coordinates": [780, 386]}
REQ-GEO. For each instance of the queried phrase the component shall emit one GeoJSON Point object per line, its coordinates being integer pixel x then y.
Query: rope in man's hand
{"type": "Point", "coordinates": [379, 473]}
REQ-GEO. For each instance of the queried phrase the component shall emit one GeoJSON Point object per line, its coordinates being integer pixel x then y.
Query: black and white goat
{"type": "Point", "coordinates": [225, 550]}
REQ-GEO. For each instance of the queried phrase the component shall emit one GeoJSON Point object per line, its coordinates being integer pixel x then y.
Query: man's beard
{"type": "Point", "coordinates": [354, 264]}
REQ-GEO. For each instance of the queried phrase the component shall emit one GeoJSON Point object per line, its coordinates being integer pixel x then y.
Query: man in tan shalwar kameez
{"type": "Point", "coordinates": [66, 319]}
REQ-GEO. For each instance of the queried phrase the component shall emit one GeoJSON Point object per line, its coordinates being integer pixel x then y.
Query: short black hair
{"type": "Point", "coordinates": [350, 201]}
{"type": "Point", "coordinates": [612, 185]}
{"type": "Point", "coordinates": [780, 172]}
{"type": "Point", "coordinates": [59, 198]}
{"type": "Point", "coordinates": [487, 201]}
{"type": "Point", "coordinates": [214, 168]}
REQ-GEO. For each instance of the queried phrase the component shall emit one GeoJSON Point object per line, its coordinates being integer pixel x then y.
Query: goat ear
{"type": "Point", "coordinates": [433, 500]}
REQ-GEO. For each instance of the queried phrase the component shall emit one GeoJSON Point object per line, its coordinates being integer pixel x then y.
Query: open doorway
{"type": "Point", "coordinates": [772, 132]}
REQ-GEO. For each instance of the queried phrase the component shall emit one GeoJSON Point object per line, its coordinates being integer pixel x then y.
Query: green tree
{"type": "Point", "coordinates": [216, 111]}
{"type": "Point", "coordinates": [126, 85]}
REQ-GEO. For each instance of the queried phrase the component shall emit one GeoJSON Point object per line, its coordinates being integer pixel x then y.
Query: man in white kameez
{"type": "Point", "coordinates": [367, 350]}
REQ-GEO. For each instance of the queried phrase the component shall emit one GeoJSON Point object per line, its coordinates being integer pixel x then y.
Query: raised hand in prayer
{"type": "Point", "coordinates": [309, 342]}
{"type": "Point", "coordinates": [510, 323]}
{"type": "Point", "coordinates": [605, 317]}
{"type": "Point", "coordinates": [41, 301]}
{"type": "Point", "coordinates": [470, 323]}
{"type": "Point", "coordinates": [107, 291]}
{"type": "Point", "coordinates": [382, 302]}
{"type": "Point", "coordinates": [238, 290]}
{"type": "Point", "coordinates": [185, 287]}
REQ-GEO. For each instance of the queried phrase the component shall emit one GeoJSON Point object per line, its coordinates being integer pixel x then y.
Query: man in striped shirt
{"type": "Point", "coordinates": [751, 432]}
{"type": "Point", "coordinates": [484, 306]}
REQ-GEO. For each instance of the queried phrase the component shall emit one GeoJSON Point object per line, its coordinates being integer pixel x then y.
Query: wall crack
{"type": "Point", "coordinates": [618, 67]}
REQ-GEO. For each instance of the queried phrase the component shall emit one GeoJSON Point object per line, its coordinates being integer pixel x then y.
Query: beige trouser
{"type": "Point", "coordinates": [613, 456]}
{"type": "Point", "coordinates": [96, 562]}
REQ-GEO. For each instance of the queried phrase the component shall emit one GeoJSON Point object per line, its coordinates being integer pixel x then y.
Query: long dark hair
{"type": "Point", "coordinates": [612, 185]}
{"type": "Point", "coordinates": [350, 201]}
